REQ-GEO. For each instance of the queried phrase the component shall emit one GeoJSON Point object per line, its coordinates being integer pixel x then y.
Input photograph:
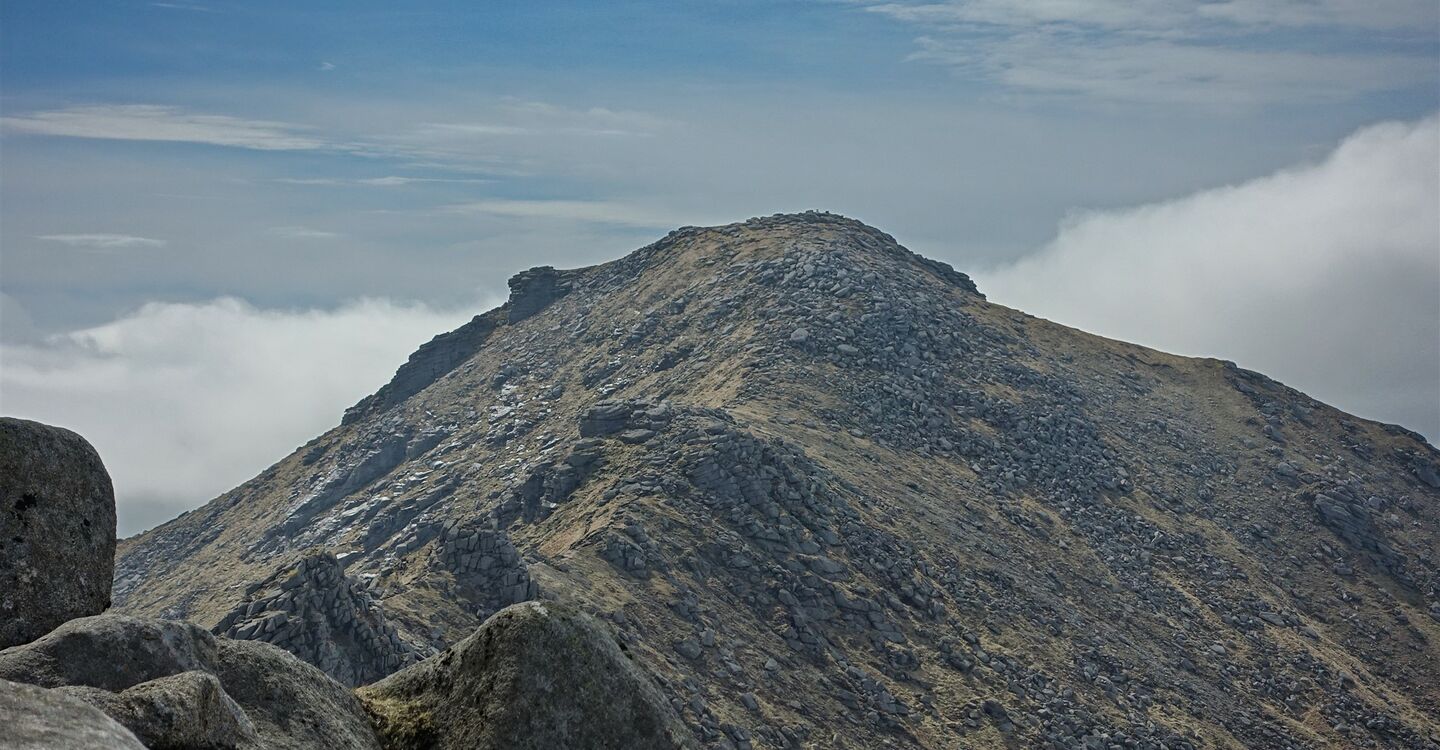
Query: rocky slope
{"type": "Point", "coordinates": [534, 675]}
{"type": "Point", "coordinates": [831, 497]}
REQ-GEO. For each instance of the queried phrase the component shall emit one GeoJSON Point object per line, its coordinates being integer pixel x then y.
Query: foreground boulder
{"type": "Point", "coordinates": [183, 712]}
{"type": "Point", "coordinates": [57, 530]}
{"type": "Point", "coordinates": [536, 675]}
{"type": "Point", "coordinates": [33, 718]}
{"type": "Point", "coordinates": [177, 685]}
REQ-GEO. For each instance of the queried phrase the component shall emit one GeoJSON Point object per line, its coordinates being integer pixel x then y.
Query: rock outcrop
{"type": "Point", "coordinates": [533, 290]}
{"type": "Point", "coordinates": [326, 618]}
{"type": "Point", "coordinates": [486, 567]}
{"type": "Point", "coordinates": [432, 361]}
{"type": "Point", "coordinates": [535, 676]}
{"type": "Point", "coordinates": [33, 718]}
{"type": "Point", "coordinates": [57, 530]}
{"type": "Point", "coordinates": [177, 684]}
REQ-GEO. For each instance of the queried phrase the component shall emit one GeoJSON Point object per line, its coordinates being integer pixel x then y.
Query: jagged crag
{"type": "Point", "coordinates": [831, 497]}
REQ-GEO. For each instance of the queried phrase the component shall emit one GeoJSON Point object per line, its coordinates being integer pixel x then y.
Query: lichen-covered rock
{"type": "Point", "coordinates": [187, 711]}
{"type": "Point", "coordinates": [33, 718]}
{"type": "Point", "coordinates": [292, 705]}
{"type": "Point", "coordinates": [534, 676]}
{"type": "Point", "coordinates": [111, 652]}
{"type": "Point", "coordinates": [57, 530]}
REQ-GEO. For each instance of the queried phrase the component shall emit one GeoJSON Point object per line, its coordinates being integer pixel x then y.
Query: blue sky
{"type": "Point", "coordinates": [296, 166]}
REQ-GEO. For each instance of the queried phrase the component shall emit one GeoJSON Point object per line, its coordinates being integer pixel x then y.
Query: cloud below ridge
{"type": "Point", "coordinates": [1325, 276]}
{"type": "Point", "coordinates": [185, 401]}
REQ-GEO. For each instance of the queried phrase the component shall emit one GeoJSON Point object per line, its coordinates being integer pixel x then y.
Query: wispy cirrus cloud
{"type": "Point", "coordinates": [386, 181]}
{"type": "Point", "coordinates": [505, 137]}
{"type": "Point", "coordinates": [149, 122]}
{"type": "Point", "coordinates": [1403, 15]}
{"type": "Point", "coordinates": [101, 241]}
{"type": "Point", "coordinates": [1162, 71]}
{"type": "Point", "coordinates": [618, 213]}
{"type": "Point", "coordinates": [305, 233]}
{"type": "Point", "coordinates": [1173, 17]}
{"type": "Point", "coordinates": [513, 117]}
{"type": "Point", "coordinates": [1227, 53]}
{"type": "Point", "coordinates": [196, 7]}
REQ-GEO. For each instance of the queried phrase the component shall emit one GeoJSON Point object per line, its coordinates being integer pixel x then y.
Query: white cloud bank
{"type": "Point", "coordinates": [1325, 276]}
{"type": "Point", "coordinates": [185, 401]}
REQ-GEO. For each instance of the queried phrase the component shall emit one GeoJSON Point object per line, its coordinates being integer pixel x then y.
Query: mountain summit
{"type": "Point", "coordinates": [829, 496]}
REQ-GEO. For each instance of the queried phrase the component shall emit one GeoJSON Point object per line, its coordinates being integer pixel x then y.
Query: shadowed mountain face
{"type": "Point", "coordinates": [833, 498]}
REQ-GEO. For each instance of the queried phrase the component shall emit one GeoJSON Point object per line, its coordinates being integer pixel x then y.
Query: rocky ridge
{"type": "Point", "coordinates": [830, 497]}
{"type": "Point", "coordinates": [540, 676]}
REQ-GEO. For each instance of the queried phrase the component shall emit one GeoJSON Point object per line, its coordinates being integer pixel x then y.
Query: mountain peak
{"type": "Point", "coordinates": [830, 496]}
{"type": "Point", "coordinates": [763, 237]}
{"type": "Point", "coordinates": [685, 256]}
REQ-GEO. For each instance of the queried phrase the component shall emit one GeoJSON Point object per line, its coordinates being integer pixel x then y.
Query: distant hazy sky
{"type": "Point", "coordinates": [222, 222]}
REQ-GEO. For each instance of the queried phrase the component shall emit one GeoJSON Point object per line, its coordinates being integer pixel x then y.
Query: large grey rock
{"type": "Point", "coordinates": [536, 675]}
{"type": "Point", "coordinates": [33, 718]}
{"type": "Point", "coordinates": [292, 705]}
{"type": "Point", "coordinates": [111, 652]}
{"type": "Point", "coordinates": [188, 711]}
{"type": "Point", "coordinates": [57, 530]}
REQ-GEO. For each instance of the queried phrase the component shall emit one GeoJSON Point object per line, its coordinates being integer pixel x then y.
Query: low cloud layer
{"type": "Point", "coordinates": [185, 401]}
{"type": "Point", "coordinates": [1326, 276]}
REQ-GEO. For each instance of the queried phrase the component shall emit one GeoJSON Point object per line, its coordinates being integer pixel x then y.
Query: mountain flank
{"type": "Point", "coordinates": [829, 496]}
